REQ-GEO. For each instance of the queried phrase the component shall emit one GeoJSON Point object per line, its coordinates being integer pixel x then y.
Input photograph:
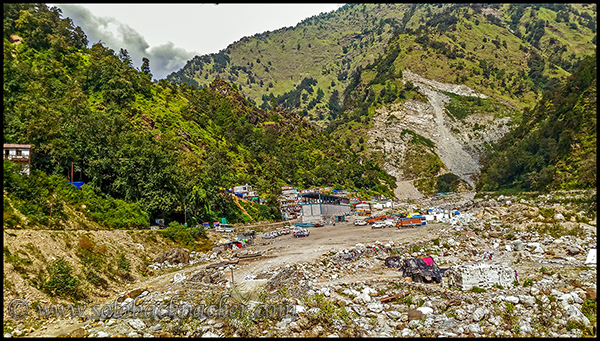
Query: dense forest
{"type": "Point", "coordinates": [148, 150]}
{"type": "Point", "coordinates": [168, 149]}
{"type": "Point", "coordinates": [554, 147]}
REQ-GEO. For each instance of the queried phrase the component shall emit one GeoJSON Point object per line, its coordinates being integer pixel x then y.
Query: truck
{"type": "Point", "coordinates": [411, 222]}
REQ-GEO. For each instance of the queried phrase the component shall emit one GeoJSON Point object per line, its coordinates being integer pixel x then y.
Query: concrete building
{"type": "Point", "coordinates": [19, 153]}
{"type": "Point", "coordinates": [380, 205]}
{"type": "Point", "coordinates": [323, 208]}
{"type": "Point", "coordinates": [245, 190]}
{"type": "Point", "coordinates": [362, 206]}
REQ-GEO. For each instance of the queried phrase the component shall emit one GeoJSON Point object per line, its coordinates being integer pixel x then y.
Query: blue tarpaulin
{"type": "Point", "coordinates": [77, 184]}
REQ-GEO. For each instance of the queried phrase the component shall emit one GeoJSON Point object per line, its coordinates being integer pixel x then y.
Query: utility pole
{"type": "Point", "coordinates": [51, 202]}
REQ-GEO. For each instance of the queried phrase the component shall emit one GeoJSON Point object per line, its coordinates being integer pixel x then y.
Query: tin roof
{"type": "Point", "coordinates": [10, 145]}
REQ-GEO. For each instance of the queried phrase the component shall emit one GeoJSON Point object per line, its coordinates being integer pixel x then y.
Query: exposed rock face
{"type": "Point", "coordinates": [457, 144]}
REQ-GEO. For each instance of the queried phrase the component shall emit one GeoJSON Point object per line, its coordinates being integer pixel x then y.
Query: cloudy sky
{"type": "Point", "coordinates": [171, 34]}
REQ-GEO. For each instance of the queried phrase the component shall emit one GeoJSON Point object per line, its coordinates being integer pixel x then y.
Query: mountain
{"type": "Point", "coordinates": [554, 146]}
{"type": "Point", "coordinates": [424, 89]}
{"type": "Point", "coordinates": [149, 150]}
{"type": "Point", "coordinates": [507, 51]}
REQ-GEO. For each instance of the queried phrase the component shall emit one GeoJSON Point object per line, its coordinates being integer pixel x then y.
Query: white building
{"type": "Point", "coordinates": [19, 153]}
{"type": "Point", "coordinates": [245, 190]}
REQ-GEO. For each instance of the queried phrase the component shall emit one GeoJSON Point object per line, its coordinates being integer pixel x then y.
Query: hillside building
{"type": "Point", "coordinates": [245, 191]}
{"type": "Point", "coordinates": [19, 153]}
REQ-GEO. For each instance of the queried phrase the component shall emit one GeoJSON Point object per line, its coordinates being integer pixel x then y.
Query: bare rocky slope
{"type": "Point", "coordinates": [457, 143]}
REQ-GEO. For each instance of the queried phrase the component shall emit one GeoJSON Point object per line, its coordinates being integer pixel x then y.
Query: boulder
{"type": "Point", "coordinates": [174, 256]}
{"type": "Point", "coordinates": [518, 246]}
{"type": "Point", "coordinates": [359, 309]}
{"type": "Point", "coordinates": [79, 332]}
{"type": "Point", "coordinates": [362, 298]}
{"type": "Point", "coordinates": [475, 328]}
{"type": "Point", "coordinates": [425, 310]}
{"type": "Point", "coordinates": [102, 334]}
{"type": "Point", "coordinates": [393, 314]}
{"type": "Point", "coordinates": [449, 324]}
{"type": "Point", "coordinates": [590, 294]}
{"type": "Point", "coordinates": [461, 314]}
{"type": "Point", "coordinates": [375, 307]}
{"type": "Point", "coordinates": [210, 334]}
{"type": "Point", "coordinates": [414, 314]}
{"type": "Point", "coordinates": [574, 314]}
{"type": "Point", "coordinates": [137, 324]}
{"type": "Point", "coordinates": [479, 314]}
{"type": "Point", "coordinates": [527, 300]}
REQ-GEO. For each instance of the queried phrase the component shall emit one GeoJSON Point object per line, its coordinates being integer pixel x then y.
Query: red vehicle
{"type": "Point", "coordinates": [411, 222]}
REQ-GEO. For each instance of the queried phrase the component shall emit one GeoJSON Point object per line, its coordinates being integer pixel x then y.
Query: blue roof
{"type": "Point", "coordinates": [77, 184]}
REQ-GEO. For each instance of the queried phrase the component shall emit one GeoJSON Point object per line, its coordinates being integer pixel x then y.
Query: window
{"type": "Point", "coordinates": [19, 152]}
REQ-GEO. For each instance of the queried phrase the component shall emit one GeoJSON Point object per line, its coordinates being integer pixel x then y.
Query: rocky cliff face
{"type": "Point", "coordinates": [459, 144]}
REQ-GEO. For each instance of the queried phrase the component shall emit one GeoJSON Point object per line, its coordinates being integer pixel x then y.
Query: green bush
{"type": "Point", "coordinates": [478, 290]}
{"type": "Point", "coordinates": [184, 235]}
{"type": "Point", "coordinates": [61, 282]}
{"type": "Point", "coordinates": [37, 195]}
{"type": "Point", "coordinates": [123, 263]}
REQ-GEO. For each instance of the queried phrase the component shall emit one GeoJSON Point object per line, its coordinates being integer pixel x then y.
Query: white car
{"type": "Point", "coordinates": [226, 228]}
{"type": "Point", "coordinates": [378, 226]}
{"type": "Point", "coordinates": [301, 232]}
{"type": "Point", "coordinates": [359, 222]}
{"type": "Point", "coordinates": [389, 223]}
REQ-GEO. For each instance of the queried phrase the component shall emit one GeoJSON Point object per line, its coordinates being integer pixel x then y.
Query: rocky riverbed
{"type": "Point", "coordinates": [348, 291]}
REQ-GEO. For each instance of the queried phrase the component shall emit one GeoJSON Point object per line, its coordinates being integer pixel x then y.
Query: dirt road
{"type": "Point", "coordinates": [287, 249]}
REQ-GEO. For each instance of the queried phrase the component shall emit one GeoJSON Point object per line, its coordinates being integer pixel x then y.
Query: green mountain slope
{"type": "Point", "coordinates": [509, 51]}
{"type": "Point", "coordinates": [554, 147]}
{"type": "Point", "coordinates": [162, 147]}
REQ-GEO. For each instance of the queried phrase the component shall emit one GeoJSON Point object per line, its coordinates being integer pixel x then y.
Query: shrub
{"type": "Point", "coordinates": [123, 263]}
{"type": "Point", "coordinates": [86, 243]}
{"type": "Point", "coordinates": [61, 282]}
{"type": "Point", "coordinates": [478, 290]}
{"type": "Point", "coordinates": [184, 235]}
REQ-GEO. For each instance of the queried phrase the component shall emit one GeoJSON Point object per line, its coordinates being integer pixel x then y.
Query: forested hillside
{"type": "Point", "coordinates": [160, 148]}
{"type": "Point", "coordinates": [508, 51]}
{"type": "Point", "coordinates": [554, 147]}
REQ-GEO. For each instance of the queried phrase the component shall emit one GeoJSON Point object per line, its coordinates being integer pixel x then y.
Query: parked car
{"type": "Point", "coordinates": [301, 232]}
{"type": "Point", "coordinates": [225, 228]}
{"type": "Point", "coordinates": [360, 222]}
{"type": "Point", "coordinates": [378, 226]}
{"type": "Point", "coordinates": [389, 223]}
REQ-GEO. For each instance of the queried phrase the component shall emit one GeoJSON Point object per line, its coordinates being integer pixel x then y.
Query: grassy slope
{"type": "Point", "coordinates": [329, 34]}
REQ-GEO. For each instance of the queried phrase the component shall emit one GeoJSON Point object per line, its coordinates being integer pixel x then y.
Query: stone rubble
{"type": "Point", "coordinates": [504, 280]}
